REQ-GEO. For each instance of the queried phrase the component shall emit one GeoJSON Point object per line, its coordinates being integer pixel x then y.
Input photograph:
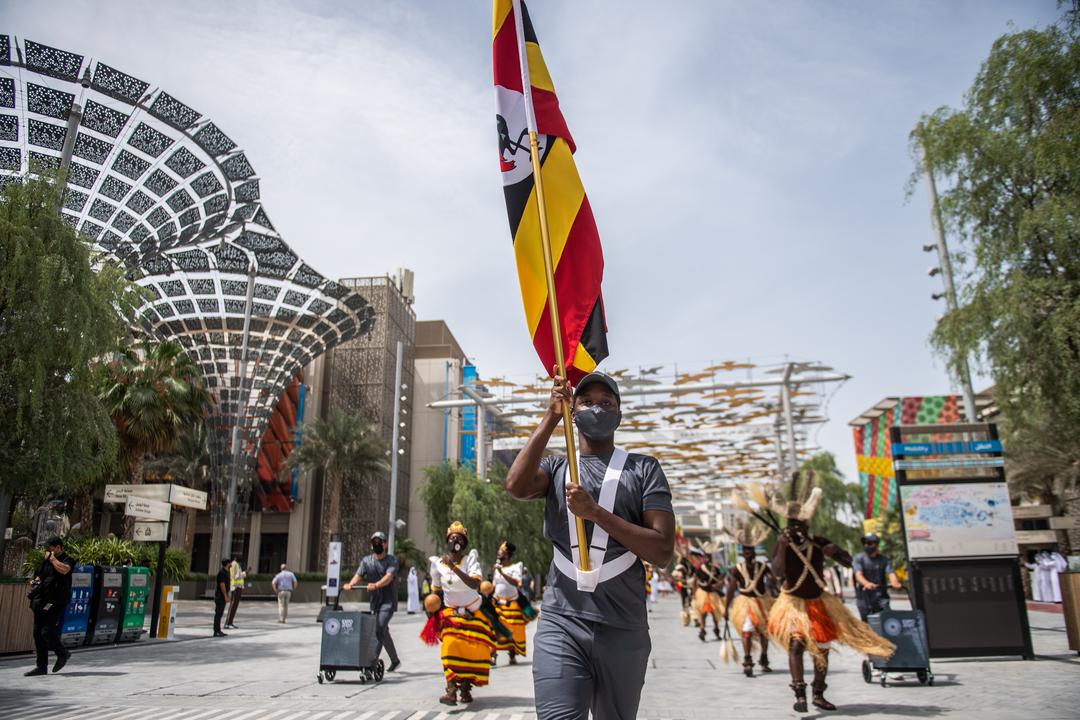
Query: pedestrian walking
{"type": "Point", "coordinates": [413, 606]}
{"type": "Point", "coordinates": [237, 580]}
{"type": "Point", "coordinates": [221, 595]}
{"type": "Point", "coordinates": [283, 584]}
{"type": "Point", "coordinates": [379, 571]}
{"type": "Point", "coordinates": [49, 593]}
{"type": "Point", "coordinates": [592, 647]}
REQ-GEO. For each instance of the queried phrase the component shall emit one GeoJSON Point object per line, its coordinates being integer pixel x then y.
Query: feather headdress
{"type": "Point", "coordinates": [748, 534]}
{"type": "Point", "coordinates": [803, 500]}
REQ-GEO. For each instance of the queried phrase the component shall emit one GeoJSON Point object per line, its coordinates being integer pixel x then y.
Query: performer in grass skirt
{"type": "Point", "coordinates": [807, 617]}
{"type": "Point", "coordinates": [464, 632]}
{"type": "Point", "coordinates": [507, 579]}
{"type": "Point", "coordinates": [749, 597]}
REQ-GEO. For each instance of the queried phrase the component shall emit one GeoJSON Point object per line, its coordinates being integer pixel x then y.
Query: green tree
{"type": "Point", "coordinates": [344, 447]}
{"type": "Point", "coordinates": [61, 308]}
{"type": "Point", "coordinates": [1010, 170]}
{"type": "Point", "coordinates": [488, 511]}
{"type": "Point", "coordinates": [840, 512]}
{"type": "Point", "coordinates": [154, 393]}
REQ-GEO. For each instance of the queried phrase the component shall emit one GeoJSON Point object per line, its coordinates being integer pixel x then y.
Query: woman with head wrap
{"type": "Point", "coordinates": [507, 579]}
{"type": "Point", "coordinates": [465, 634]}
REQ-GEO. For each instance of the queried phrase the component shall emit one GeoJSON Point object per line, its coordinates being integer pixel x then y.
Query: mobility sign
{"type": "Point", "coordinates": [150, 532]}
{"type": "Point", "coordinates": [147, 509]}
{"type": "Point", "coordinates": [947, 448]}
{"type": "Point", "coordinates": [186, 497]}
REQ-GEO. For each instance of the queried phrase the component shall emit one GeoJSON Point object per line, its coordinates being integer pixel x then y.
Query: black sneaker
{"type": "Point", "coordinates": [394, 666]}
{"type": "Point", "coordinates": [61, 661]}
{"type": "Point", "coordinates": [35, 671]}
{"type": "Point", "coordinates": [220, 634]}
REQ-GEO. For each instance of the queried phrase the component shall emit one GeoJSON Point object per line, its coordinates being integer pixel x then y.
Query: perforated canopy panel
{"type": "Point", "coordinates": [163, 189]}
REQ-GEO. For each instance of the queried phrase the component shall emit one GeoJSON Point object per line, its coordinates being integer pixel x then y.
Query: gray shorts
{"type": "Point", "coordinates": [581, 666]}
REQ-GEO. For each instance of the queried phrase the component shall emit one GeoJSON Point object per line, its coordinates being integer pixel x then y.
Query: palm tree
{"type": "Point", "coordinates": [341, 446]}
{"type": "Point", "coordinates": [188, 465]}
{"type": "Point", "coordinates": [154, 393]}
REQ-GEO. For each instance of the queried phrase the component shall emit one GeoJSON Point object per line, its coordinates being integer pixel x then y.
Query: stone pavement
{"type": "Point", "coordinates": [266, 671]}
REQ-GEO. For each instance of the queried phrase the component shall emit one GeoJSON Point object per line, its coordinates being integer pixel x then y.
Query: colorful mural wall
{"type": "Point", "coordinates": [873, 451]}
{"type": "Point", "coordinates": [273, 488]}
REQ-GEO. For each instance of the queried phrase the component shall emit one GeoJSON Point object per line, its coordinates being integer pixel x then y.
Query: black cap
{"type": "Point", "coordinates": [54, 541]}
{"type": "Point", "coordinates": [598, 377]}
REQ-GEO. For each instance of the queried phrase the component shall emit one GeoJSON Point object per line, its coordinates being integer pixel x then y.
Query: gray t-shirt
{"type": "Point", "coordinates": [619, 602]}
{"type": "Point", "coordinates": [372, 569]}
{"type": "Point", "coordinates": [875, 569]}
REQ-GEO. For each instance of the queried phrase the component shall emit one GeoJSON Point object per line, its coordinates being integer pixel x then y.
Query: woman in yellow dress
{"type": "Point", "coordinates": [507, 580]}
{"type": "Point", "coordinates": [466, 635]}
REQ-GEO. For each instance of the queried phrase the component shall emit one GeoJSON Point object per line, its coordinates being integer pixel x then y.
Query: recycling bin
{"type": "Point", "coordinates": [76, 618]}
{"type": "Point", "coordinates": [105, 608]}
{"type": "Point", "coordinates": [133, 603]}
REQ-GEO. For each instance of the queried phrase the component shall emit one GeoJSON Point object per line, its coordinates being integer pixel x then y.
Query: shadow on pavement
{"type": "Point", "coordinates": [881, 710]}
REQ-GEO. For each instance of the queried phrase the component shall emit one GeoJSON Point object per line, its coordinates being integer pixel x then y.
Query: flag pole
{"type": "Point", "coordinates": [549, 274]}
{"type": "Point", "coordinates": [556, 335]}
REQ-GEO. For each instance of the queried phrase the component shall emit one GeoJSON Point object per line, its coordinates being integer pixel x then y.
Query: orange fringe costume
{"type": "Point", "coordinates": [821, 621]}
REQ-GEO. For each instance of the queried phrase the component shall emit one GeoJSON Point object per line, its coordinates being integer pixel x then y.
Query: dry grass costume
{"type": "Point", "coordinates": [706, 584]}
{"type": "Point", "coordinates": [806, 616]}
{"type": "Point", "coordinates": [749, 597]}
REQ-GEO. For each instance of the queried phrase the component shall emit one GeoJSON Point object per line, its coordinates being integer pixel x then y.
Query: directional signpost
{"type": "Point", "coordinates": [151, 506]}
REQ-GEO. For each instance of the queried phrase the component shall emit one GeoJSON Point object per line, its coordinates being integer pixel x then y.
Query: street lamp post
{"type": "Point", "coordinates": [395, 449]}
{"type": "Point", "coordinates": [946, 272]}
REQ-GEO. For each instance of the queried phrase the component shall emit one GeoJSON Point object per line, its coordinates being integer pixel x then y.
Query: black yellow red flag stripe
{"type": "Point", "coordinates": [575, 243]}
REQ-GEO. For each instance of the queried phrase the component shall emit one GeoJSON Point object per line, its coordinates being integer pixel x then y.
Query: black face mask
{"type": "Point", "coordinates": [597, 423]}
{"type": "Point", "coordinates": [377, 546]}
{"type": "Point", "coordinates": [457, 545]}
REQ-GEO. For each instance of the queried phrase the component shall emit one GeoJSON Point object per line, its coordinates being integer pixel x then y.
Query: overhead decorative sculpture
{"type": "Point", "coordinates": [162, 189]}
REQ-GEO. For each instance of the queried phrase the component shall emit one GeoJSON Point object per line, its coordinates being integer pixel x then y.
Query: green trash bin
{"type": "Point", "coordinates": [136, 593]}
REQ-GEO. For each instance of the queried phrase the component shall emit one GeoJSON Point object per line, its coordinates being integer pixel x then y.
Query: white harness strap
{"type": "Point", "coordinates": [600, 572]}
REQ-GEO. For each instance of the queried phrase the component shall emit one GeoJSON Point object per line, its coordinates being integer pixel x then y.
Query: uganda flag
{"type": "Point", "coordinates": [525, 99]}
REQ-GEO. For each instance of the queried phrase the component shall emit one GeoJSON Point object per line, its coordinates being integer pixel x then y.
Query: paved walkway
{"type": "Point", "coordinates": [266, 671]}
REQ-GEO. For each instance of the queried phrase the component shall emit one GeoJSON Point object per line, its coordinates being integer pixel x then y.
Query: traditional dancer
{"type": "Point", "coordinates": [707, 585]}
{"type": "Point", "coordinates": [592, 648]}
{"type": "Point", "coordinates": [507, 579]}
{"type": "Point", "coordinates": [749, 597]}
{"type": "Point", "coordinates": [806, 616]}
{"type": "Point", "coordinates": [466, 634]}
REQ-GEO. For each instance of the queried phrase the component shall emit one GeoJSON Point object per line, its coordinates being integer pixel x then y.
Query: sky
{"type": "Point", "coordinates": [746, 162]}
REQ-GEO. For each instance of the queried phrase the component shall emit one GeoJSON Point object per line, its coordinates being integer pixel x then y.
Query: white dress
{"type": "Point", "coordinates": [414, 592]}
{"type": "Point", "coordinates": [505, 589]}
{"type": "Point", "coordinates": [456, 594]}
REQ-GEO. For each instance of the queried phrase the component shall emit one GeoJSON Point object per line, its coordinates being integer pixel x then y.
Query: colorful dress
{"type": "Point", "coordinates": [509, 609]}
{"type": "Point", "coordinates": [466, 636]}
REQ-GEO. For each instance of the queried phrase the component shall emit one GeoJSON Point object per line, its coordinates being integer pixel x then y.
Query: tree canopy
{"type": "Point", "coordinates": [488, 511]}
{"type": "Point", "coordinates": [61, 308]}
{"type": "Point", "coordinates": [839, 514]}
{"type": "Point", "coordinates": [1010, 170]}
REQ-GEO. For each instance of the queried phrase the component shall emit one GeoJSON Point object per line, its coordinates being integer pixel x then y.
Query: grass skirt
{"type": "Point", "coordinates": [820, 621]}
{"type": "Point", "coordinates": [466, 645]}
{"type": "Point", "coordinates": [511, 615]}
{"type": "Point", "coordinates": [756, 608]}
{"type": "Point", "coordinates": [707, 603]}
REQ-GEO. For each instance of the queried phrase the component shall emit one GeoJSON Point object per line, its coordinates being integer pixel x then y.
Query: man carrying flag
{"type": "Point", "coordinates": [592, 646]}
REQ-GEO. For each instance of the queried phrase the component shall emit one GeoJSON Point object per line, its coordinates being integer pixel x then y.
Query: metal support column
{"type": "Point", "coordinates": [241, 412]}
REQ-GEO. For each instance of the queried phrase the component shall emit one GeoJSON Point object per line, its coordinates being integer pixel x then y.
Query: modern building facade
{"type": "Point", "coordinates": [158, 188]}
